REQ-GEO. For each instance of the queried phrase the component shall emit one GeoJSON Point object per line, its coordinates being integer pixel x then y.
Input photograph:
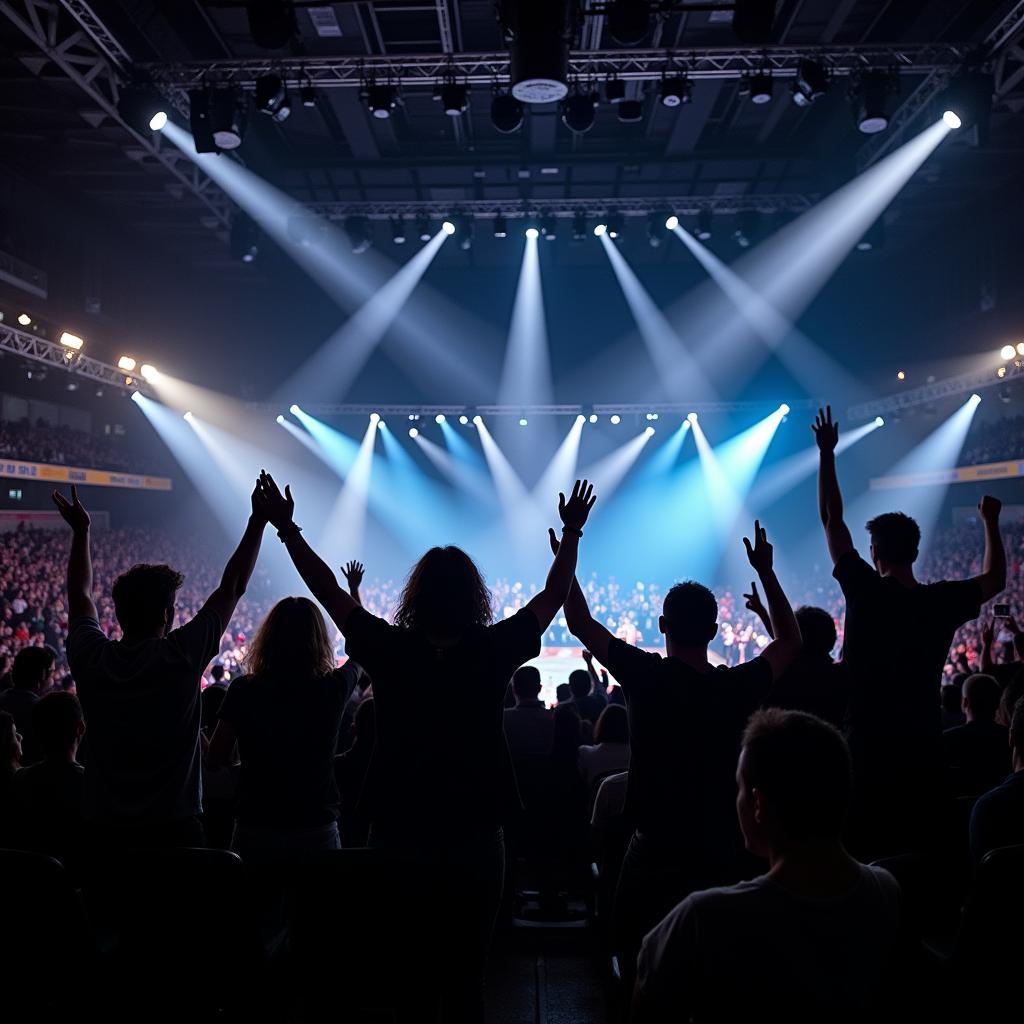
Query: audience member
{"type": "Point", "coordinates": [30, 676]}
{"type": "Point", "coordinates": [998, 817]}
{"type": "Point", "coordinates": [609, 753]}
{"type": "Point", "coordinates": [350, 774]}
{"type": "Point", "coordinates": [951, 700]}
{"type": "Point", "coordinates": [977, 750]}
{"type": "Point", "coordinates": [529, 725]}
{"type": "Point", "coordinates": [685, 722]}
{"type": "Point", "coordinates": [140, 694]}
{"type": "Point", "coordinates": [1012, 692]}
{"type": "Point", "coordinates": [819, 937]}
{"type": "Point", "coordinates": [894, 721]}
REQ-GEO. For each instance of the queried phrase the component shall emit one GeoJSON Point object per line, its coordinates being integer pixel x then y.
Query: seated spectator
{"type": "Point", "coordinates": [998, 817]}
{"type": "Point", "coordinates": [563, 693]}
{"type": "Point", "coordinates": [140, 694]}
{"type": "Point", "coordinates": [30, 676]}
{"type": "Point", "coordinates": [217, 675]}
{"type": "Point", "coordinates": [350, 774]}
{"type": "Point", "coordinates": [587, 697]}
{"type": "Point", "coordinates": [817, 937]}
{"type": "Point", "coordinates": [978, 749]}
{"type": "Point", "coordinates": [951, 703]}
{"type": "Point", "coordinates": [1012, 692]}
{"type": "Point", "coordinates": [529, 726]}
{"type": "Point", "coordinates": [48, 794]}
{"type": "Point", "coordinates": [609, 753]}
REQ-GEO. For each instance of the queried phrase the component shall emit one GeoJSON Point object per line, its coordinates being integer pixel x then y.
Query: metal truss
{"type": "Point", "coordinates": [73, 39]}
{"type": "Point", "coordinates": [630, 206]}
{"type": "Point", "coordinates": [966, 383]}
{"type": "Point", "coordinates": [30, 346]}
{"type": "Point", "coordinates": [629, 65]}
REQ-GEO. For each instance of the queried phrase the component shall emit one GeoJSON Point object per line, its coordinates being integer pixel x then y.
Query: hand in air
{"type": "Point", "coordinates": [574, 512]}
{"type": "Point", "coordinates": [353, 574]}
{"type": "Point", "coordinates": [72, 512]}
{"type": "Point", "coordinates": [754, 602]}
{"type": "Point", "coordinates": [988, 632]}
{"type": "Point", "coordinates": [989, 509]}
{"type": "Point", "coordinates": [760, 553]}
{"type": "Point", "coordinates": [269, 502]}
{"type": "Point", "coordinates": [588, 657]}
{"type": "Point", "coordinates": [826, 433]}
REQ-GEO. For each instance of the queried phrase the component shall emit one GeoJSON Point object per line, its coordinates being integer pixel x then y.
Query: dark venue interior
{"type": "Point", "coordinates": [511, 511]}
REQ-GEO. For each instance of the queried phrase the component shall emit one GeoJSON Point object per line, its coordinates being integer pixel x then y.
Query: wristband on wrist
{"type": "Point", "coordinates": [572, 530]}
{"type": "Point", "coordinates": [289, 531]}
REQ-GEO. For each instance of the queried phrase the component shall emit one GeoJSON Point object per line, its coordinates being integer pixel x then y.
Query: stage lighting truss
{"type": "Point", "coordinates": [869, 96]}
{"type": "Point", "coordinates": [579, 110]}
{"type": "Point", "coordinates": [380, 98]}
{"type": "Point", "coordinates": [811, 82]}
{"type": "Point", "coordinates": [675, 90]}
{"type": "Point", "coordinates": [272, 97]}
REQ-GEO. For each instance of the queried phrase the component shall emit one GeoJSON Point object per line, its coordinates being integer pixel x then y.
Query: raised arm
{"type": "Point", "coordinates": [80, 602]}
{"type": "Point", "coordinates": [315, 572]}
{"type": "Point", "coordinates": [988, 632]}
{"type": "Point", "coordinates": [573, 514]}
{"type": "Point", "coordinates": [786, 645]}
{"type": "Point", "coordinates": [756, 605]}
{"type": "Point", "coordinates": [239, 567]}
{"type": "Point", "coordinates": [993, 568]}
{"type": "Point", "coordinates": [353, 572]}
{"type": "Point", "coordinates": [595, 679]}
{"type": "Point", "coordinates": [594, 637]}
{"type": "Point", "coordinates": [830, 498]}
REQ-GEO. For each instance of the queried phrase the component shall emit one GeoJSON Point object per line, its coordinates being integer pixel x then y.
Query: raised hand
{"type": "Point", "coordinates": [553, 541]}
{"type": "Point", "coordinates": [588, 657]}
{"type": "Point", "coordinates": [72, 512]}
{"type": "Point", "coordinates": [826, 433]}
{"type": "Point", "coordinates": [353, 574]}
{"type": "Point", "coordinates": [754, 602]}
{"type": "Point", "coordinates": [258, 511]}
{"type": "Point", "coordinates": [988, 632]}
{"type": "Point", "coordinates": [760, 553]}
{"type": "Point", "coordinates": [271, 504]}
{"type": "Point", "coordinates": [989, 509]}
{"type": "Point", "coordinates": [574, 512]}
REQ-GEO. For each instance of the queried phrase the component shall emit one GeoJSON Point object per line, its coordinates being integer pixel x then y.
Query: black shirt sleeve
{"type": "Point", "coordinates": [516, 640]}
{"type": "Point", "coordinates": [750, 683]}
{"type": "Point", "coordinates": [84, 647]}
{"type": "Point", "coordinates": [854, 575]}
{"type": "Point", "coordinates": [370, 640]}
{"type": "Point", "coordinates": [231, 707]}
{"type": "Point", "coordinates": [631, 666]}
{"type": "Point", "coordinates": [959, 601]}
{"type": "Point", "coordinates": [199, 639]}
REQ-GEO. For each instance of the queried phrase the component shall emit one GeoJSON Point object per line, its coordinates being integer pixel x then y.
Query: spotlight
{"type": "Point", "coordinates": [628, 21]}
{"type": "Point", "coordinates": [975, 398]}
{"type": "Point", "coordinates": [126, 363]}
{"type": "Point", "coordinates": [581, 418]}
{"type": "Point", "coordinates": [149, 372]}
{"type": "Point", "coordinates": [439, 418]}
{"type": "Point", "coordinates": [549, 227]}
{"type": "Point", "coordinates": [226, 111]}
{"type": "Point", "coordinates": [188, 416]}
{"type": "Point", "coordinates": [463, 420]}
{"type": "Point", "coordinates": [412, 417]}
{"type": "Point", "coordinates": [615, 419]}
{"type": "Point", "coordinates": [879, 422]}
{"type": "Point", "coordinates": [24, 319]}
{"type": "Point", "coordinates": [375, 417]}
{"type": "Point", "coordinates": [593, 417]}
{"type": "Point", "coordinates": [506, 112]}
{"type": "Point", "coordinates": [600, 229]}
{"type": "Point", "coordinates": [244, 238]}
{"type": "Point", "coordinates": [523, 422]}
{"type": "Point", "coordinates": [501, 226]}
{"type": "Point", "coordinates": [656, 226]}
{"type": "Point", "coordinates": [308, 95]}
{"type": "Point", "coordinates": [271, 22]}
{"type": "Point", "coordinates": [675, 91]}
{"type": "Point", "coordinates": [538, 49]}
{"type": "Point", "coordinates": [1006, 352]}
{"type": "Point", "coordinates": [631, 111]}
{"type": "Point", "coordinates": [704, 224]}
{"type": "Point", "coordinates": [952, 119]}
{"type": "Point", "coordinates": [810, 84]}
{"type": "Point", "coordinates": [272, 97]}
{"type": "Point", "coordinates": [784, 409]}
{"type": "Point", "coordinates": [615, 226]}
{"type": "Point", "coordinates": [1020, 348]}
{"type": "Point", "coordinates": [578, 111]}
{"type": "Point", "coordinates": [1001, 372]}
{"type": "Point", "coordinates": [358, 231]}
{"type": "Point", "coordinates": [900, 375]}
{"type": "Point", "coordinates": [967, 101]}
{"type": "Point", "coordinates": [454, 98]}
{"type": "Point", "coordinates": [294, 410]}
{"type": "Point", "coordinates": [532, 233]}
{"type": "Point", "coordinates": [448, 227]}
{"type": "Point", "coordinates": [649, 431]}
{"type": "Point", "coordinates": [671, 222]}
{"type": "Point", "coordinates": [478, 419]}
{"type": "Point", "coordinates": [413, 432]}
{"type": "Point", "coordinates": [280, 418]}
{"type": "Point", "coordinates": [381, 99]}
{"type": "Point", "coordinates": [423, 227]}
{"type": "Point", "coordinates": [870, 96]}
{"type": "Point", "coordinates": [615, 90]}
{"type": "Point", "coordinates": [72, 341]}
{"type": "Point", "coordinates": [692, 417]}
{"type": "Point", "coordinates": [761, 88]}
{"type": "Point", "coordinates": [579, 226]}
{"type": "Point", "coordinates": [398, 230]}
{"type": "Point", "coordinates": [142, 107]}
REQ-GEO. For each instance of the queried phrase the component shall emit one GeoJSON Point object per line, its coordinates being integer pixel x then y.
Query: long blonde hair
{"type": "Point", "coordinates": [292, 641]}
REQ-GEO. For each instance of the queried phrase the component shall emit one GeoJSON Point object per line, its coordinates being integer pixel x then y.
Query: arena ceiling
{"type": "Point", "coordinates": [59, 124]}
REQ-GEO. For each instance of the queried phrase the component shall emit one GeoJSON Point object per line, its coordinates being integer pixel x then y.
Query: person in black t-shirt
{"type": "Point", "coordinates": [998, 817]}
{"type": "Point", "coordinates": [440, 780]}
{"type": "Point", "coordinates": [686, 719]}
{"type": "Point", "coordinates": [894, 712]}
{"type": "Point", "coordinates": [978, 751]}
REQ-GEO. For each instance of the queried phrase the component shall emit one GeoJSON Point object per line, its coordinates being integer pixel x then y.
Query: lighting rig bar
{"type": "Point", "coordinates": [965, 383]}
{"type": "Point", "coordinates": [31, 346]}
{"type": "Point", "coordinates": [352, 71]}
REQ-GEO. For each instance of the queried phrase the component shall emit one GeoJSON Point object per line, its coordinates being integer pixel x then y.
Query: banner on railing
{"type": "Point", "coordinates": [47, 473]}
{"type": "Point", "coordinates": [961, 475]}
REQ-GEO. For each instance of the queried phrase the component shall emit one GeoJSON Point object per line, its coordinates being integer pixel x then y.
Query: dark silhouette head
{"type": "Point", "coordinates": [144, 599]}
{"type": "Point", "coordinates": [526, 683]}
{"type": "Point", "coordinates": [818, 630]}
{"type": "Point", "coordinates": [690, 615]}
{"type": "Point", "coordinates": [444, 594]}
{"type": "Point", "coordinates": [563, 693]}
{"type": "Point", "coordinates": [579, 683]}
{"type": "Point", "coordinates": [565, 742]}
{"type": "Point", "coordinates": [981, 698]}
{"type": "Point", "coordinates": [951, 698]}
{"type": "Point", "coordinates": [58, 724]}
{"type": "Point", "coordinates": [794, 778]}
{"type": "Point", "coordinates": [895, 539]}
{"type": "Point", "coordinates": [10, 746]}
{"type": "Point", "coordinates": [612, 725]}
{"type": "Point", "coordinates": [217, 673]}
{"type": "Point", "coordinates": [32, 667]}
{"type": "Point", "coordinates": [292, 642]}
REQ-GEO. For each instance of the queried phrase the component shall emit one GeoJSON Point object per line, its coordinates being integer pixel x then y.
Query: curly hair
{"type": "Point", "coordinates": [445, 594]}
{"type": "Point", "coordinates": [144, 595]}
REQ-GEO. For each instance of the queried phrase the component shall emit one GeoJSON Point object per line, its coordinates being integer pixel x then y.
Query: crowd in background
{"type": "Point", "coordinates": [65, 446]}
{"type": "Point", "coordinates": [993, 441]}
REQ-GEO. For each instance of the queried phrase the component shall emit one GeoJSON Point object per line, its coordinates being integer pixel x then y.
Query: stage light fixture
{"type": "Point", "coordinates": [703, 231]}
{"type": "Point", "coordinates": [148, 372]}
{"type": "Point", "coordinates": [615, 419]}
{"type": "Point", "coordinates": [649, 431]}
{"type": "Point", "coordinates": [506, 112]}
{"type": "Point", "coordinates": [1020, 348]}
{"type": "Point", "coordinates": [628, 21]}
{"type": "Point", "coordinates": [398, 235]}
{"type": "Point", "coordinates": [784, 409]}
{"type": "Point", "coordinates": [675, 91]}
{"type": "Point", "coordinates": [952, 119]}
{"type": "Point", "coordinates": [811, 82]}
{"type": "Point", "coordinates": [454, 98]}
{"type": "Point", "coordinates": [72, 341]}
{"type": "Point", "coordinates": [423, 228]}
{"type": "Point", "coordinates": [879, 422]}
{"type": "Point", "coordinates": [126, 363]}
{"type": "Point", "coordinates": [1001, 372]}
{"type": "Point", "coordinates": [870, 97]}
{"type": "Point", "coordinates": [657, 225]}
{"type": "Point", "coordinates": [900, 375]}
{"type": "Point", "coordinates": [761, 88]}
{"type": "Point", "coordinates": [308, 95]}
{"type": "Point", "coordinates": [1007, 352]}
{"type": "Point", "coordinates": [615, 90]}
{"type": "Point", "coordinates": [631, 112]}
{"type": "Point", "coordinates": [692, 417]}
{"type": "Point", "coordinates": [549, 227]}
{"type": "Point", "coordinates": [225, 111]}
{"type": "Point", "coordinates": [578, 111]}
{"type": "Point", "coordinates": [439, 418]}
{"type": "Point", "coordinates": [413, 432]}
{"type": "Point", "coordinates": [381, 99]}
{"type": "Point", "coordinates": [463, 420]}
{"type": "Point", "coordinates": [478, 419]}
{"type": "Point", "coordinates": [500, 226]}
{"type": "Point", "coordinates": [600, 229]}
{"type": "Point", "coordinates": [671, 222]}
{"type": "Point", "coordinates": [615, 226]}
{"type": "Point", "coordinates": [244, 240]}
{"type": "Point", "coordinates": [523, 421]}
{"type": "Point", "coordinates": [448, 227]}
{"type": "Point", "coordinates": [375, 417]}
{"type": "Point", "coordinates": [271, 22]}
{"type": "Point", "coordinates": [359, 235]}
{"type": "Point", "coordinates": [272, 97]}
{"type": "Point", "coordinates": [532, 232]}
{"type": "Point", "coordinates": [24, 319]}
{"type": "Point", "coordinates": [967, 101]}
{"type": "Point", "coordinates": [142, 107]}
{"type": "Point", "coordinates": [581, 418]}
{"type": "Point", "coordinates": [294, 410]}
{"type": "Point", "coordinates": [593, 417]}
{"type": "Point", "coordinates": [539, 36]}
{"type": "Point", "coordinates": [975, 398]}
{"type": "Point", "coordinates": [579, 226]}
{"type": "Point", "coordinates": [188, 416]}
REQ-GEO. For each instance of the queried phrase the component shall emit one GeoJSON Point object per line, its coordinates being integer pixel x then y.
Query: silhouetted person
{"type": "Point", "coordinates": [529, 725]}
{"type": "Point", "coordinates": [440, 780]}
{"type": "Point", "coordinates": [951, 699]}
{"type": "Point", "coordinates": [978, 750]}
{"type": "Point", "coordinates": [609, 753]}
{"type": "Point", "coordinates": [284, 714]}
{"type": "Point", "coordinates": [998, 817]}
{"type": "Point", "coordinates": [140, 694]}
{"type": "Point", "coordinates": [819, 937]}
{"type": "Point", "coordinates": [563, 693]}
{"type": "Point", "coordinates": [350, 771]}
{"type": "Point", "coordinates": [894, 715]}
{"type": "Point", "coordinates": [30, 676]}
{"type": "Point", "coordinates": [685, 723]}
{"type": "Point", "coordinates": [217, 674]}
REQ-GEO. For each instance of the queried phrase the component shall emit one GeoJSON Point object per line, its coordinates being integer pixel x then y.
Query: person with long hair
{"type": "Point", "coordinates": [440, 779]}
